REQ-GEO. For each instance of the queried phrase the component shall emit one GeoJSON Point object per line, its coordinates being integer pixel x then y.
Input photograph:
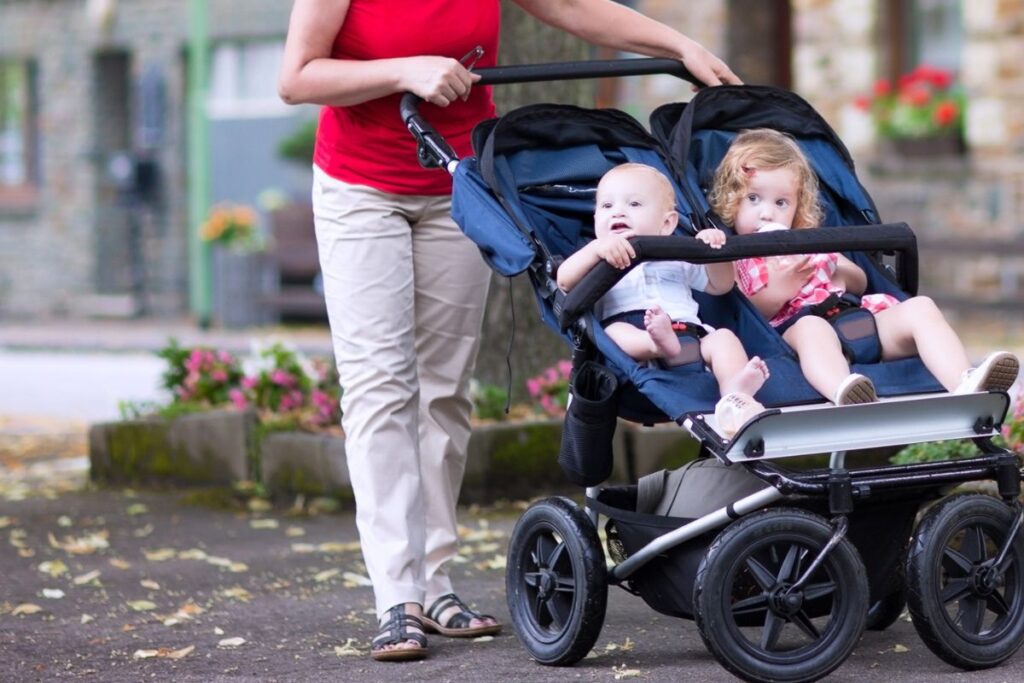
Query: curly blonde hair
{"type": "Point", "coordinates": [764, 149]}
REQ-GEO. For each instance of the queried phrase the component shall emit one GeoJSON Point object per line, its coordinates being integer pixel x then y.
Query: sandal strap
{"type": "Point", "coordinates": [461, 619]}
{"type": "Point", "coordinates": [395, 629]}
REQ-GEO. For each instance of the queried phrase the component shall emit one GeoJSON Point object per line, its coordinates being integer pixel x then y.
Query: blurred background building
{"type": "Point", "coordinates": [123, 121]}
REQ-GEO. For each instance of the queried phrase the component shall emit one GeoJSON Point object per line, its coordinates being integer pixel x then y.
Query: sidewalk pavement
{"type": "Point", "coordinates": [117, 585]}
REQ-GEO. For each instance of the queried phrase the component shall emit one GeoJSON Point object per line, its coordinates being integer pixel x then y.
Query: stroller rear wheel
{"type": "Point", "coordinates": [967, 607]}
{"type": "Point", "coordinates": [757, 612]}
{"type": "Point", "coordinates": [556, 582]}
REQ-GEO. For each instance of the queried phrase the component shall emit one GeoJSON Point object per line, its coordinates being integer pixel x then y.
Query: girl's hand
{"type": "Point", "coordinates": [615, 249]}
{"type": "Point", "coordinates": [713, 237]}
{"type": "Point", "coordinates": [792, 276]}
{"type": "Point", "coordinates": [438, 80]}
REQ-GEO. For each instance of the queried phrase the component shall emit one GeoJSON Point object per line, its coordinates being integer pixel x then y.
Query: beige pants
{"type": "Point", "coordinates": [405, 293]}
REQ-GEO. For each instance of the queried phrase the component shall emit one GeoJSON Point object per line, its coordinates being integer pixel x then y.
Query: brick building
{"type": "Point", "coordinates": [111, 78]}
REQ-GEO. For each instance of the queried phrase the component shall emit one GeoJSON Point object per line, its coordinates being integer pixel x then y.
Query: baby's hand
{"type": "Point", "coordinates": [713, 237]}
{"type": "Point", "coordinates": [615, 249]}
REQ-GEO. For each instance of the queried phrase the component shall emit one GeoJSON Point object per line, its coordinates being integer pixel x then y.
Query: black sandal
{"type": "Point", "coordinates": [458, 626]}
{"type": "Point", "coordinates": [395, 631]}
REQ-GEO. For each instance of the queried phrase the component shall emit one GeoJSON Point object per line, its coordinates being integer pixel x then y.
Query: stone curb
{"type": "Point", "coordinates": [507, 460]}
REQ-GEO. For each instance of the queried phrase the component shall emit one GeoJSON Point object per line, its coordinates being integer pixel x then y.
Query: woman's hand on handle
{"type": "Point", "coordinates": [438, 80]}
{"type": "Point", "coordinates": [705, 66]}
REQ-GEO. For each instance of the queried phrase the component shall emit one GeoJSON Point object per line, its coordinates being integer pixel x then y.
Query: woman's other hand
{"type": "Point", "coordinates": [705, 66]}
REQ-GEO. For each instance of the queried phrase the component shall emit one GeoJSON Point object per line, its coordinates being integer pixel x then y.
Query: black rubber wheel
{"type": "Point", "coordinates": [967, 611]}
{"type": "Point", "coordinates": [556, 582]}
{"type": "Point", "coordinates": [750, 619]}
{"type": "Point", "coordinates": [884, 613]}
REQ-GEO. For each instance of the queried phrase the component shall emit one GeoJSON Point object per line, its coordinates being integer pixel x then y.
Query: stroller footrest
{"type": "Point", "coordinates": [825, 428]}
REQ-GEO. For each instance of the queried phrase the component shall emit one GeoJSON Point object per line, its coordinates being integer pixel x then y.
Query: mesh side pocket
{"type": "Point", "coordinates": [586, 451]}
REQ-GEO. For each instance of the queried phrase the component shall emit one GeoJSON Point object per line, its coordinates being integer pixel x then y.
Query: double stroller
{"type": "Point", "coordinates": [782, 568]}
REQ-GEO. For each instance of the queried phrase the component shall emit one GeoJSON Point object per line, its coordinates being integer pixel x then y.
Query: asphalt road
{"type": "Point", "coordinates": [111, 585]}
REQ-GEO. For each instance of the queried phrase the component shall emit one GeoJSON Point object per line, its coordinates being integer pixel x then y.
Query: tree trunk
{"type": "Point", "coordinates": [524, 40]}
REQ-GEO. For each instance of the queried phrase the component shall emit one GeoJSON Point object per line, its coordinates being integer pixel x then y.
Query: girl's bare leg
{"type": "Point", "coordinates": [917, 326]}
{"type": "Point", "coordinates": [724, 354]}
{"type": "Point", "coordinates": [821, 355]}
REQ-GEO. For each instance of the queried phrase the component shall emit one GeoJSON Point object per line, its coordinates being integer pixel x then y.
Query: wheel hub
{"type": "Point", "coordinates": [547, 584]}
{"type": "Point", "coordinates": [985, 579]}
{"type": "Point", "coordinates": [785, 601]}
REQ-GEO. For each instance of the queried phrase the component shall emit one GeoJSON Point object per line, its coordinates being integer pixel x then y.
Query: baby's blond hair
{"type": "Point", "coordinates": [661, 183]}
{"type": "Point", "coordinates": [764, 149]}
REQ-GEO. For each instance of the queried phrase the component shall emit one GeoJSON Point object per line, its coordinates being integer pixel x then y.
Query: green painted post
{"type": "Point", "coordinates": [198, 162]}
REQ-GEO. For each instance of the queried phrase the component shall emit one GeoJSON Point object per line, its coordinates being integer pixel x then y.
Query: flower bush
{"type": "Point", "coordinates": [199, 375]}
{"type": "Point", "coordinates": [1013, 430]}
{"type": "Point", "coordinates": [923, 103]}
{"type": "Point", "coordinates": [279, 383]}
{"type": "Point", "coordinates": [550, 389]}
{"type": "Point", "coordinates": [232, 225]}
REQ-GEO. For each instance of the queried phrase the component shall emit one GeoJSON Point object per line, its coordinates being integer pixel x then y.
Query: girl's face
{"type": "Point", "coordinates": [771, 197]}
{"type": "Point", "coordinates": [631, 200]}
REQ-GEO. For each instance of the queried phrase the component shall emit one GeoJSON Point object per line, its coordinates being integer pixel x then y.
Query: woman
{"type": "Point", "coordinates": [405, 290]}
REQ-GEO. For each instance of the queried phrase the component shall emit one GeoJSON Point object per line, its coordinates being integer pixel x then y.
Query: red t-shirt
{"type": "Point", "coordinates": [367, 144]}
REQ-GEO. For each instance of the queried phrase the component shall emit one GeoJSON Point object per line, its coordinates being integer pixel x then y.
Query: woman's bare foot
{"type": "Point", "coordinates": [749, 379]}
{"type": "Point", "coordinates": [659, 326]}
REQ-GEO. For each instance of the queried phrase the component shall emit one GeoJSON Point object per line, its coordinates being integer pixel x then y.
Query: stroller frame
{"type": "Point", "coordinates": [555, 550]}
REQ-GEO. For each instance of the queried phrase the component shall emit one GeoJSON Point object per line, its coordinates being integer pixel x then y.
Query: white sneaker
{"type": "Point", "coordinates": [734, 410]}
{"type": "Point", "coordinates": [855, 389]}
{"type": "Point", "coordinates": [998, 372]}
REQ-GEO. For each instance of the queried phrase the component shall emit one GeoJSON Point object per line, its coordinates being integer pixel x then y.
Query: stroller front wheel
{"type": "Point", "coordinates": [556, 582]}
{"type": "Point", "coordinates": [759, 615]}
{"type": "Point", "coordinates": [967, 609]}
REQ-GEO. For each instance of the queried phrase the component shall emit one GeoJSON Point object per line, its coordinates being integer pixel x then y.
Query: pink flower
{"type": "Point", "coordinates": [238, 398]}
{"type": "Point", "coordinates": [282, 378]}
{"type": "Point", "coordinates": [225, 357]}
{"type": "Point", "coordinates": [565, 367]}
{"type": "Point", "coordinates": [533, 386]}
{"type": "Point", "coordinates": [250, 382]}
{"type": "Point", "coordinates": [219, 376]}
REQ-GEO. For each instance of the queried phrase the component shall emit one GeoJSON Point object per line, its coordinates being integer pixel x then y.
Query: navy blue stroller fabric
{"type": "Point", "coordinates": [527, 199]}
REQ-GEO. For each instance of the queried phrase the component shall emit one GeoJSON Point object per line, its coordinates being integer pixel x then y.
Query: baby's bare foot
{"type": "Point", "coordinates": [659, 326]}
{"type": "Point", "coordinates": [750, 378]}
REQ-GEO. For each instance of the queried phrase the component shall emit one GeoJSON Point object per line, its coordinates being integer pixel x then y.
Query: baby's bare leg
{"type": "Point", "coordinates": [917, 326]}
{"type": "Point", "coordinates": [724, 354]}
{"type": "Point", "coordinates": [637, 343]}
{"type": "Point", "coordinates": [821, 355]}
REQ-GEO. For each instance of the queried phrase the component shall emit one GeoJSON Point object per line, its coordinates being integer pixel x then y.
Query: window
{"type": "Point", "coordinates": [926, 32]}
{"type": "Point", "coordinates": [17, 131]}
{"type": "Point", "coordinates": [243, 80]}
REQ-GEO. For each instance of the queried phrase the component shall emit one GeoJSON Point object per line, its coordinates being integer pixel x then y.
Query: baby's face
{"type": "Point", "coordinates": [771, 197]}
{"type": "Point", "coordinates": [632, 200]}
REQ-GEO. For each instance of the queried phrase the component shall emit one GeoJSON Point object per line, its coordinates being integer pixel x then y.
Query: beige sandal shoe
{"type": "Point", "coordinates": [734, 410]}
{"type": "Point", "coordinates": [855, 389]}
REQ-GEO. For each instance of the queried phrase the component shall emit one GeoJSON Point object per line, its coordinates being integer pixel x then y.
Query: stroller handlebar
{"type": "Point", "coordinates": [435, 151]}
{"type": "Point", "coordinates": [892, 238]}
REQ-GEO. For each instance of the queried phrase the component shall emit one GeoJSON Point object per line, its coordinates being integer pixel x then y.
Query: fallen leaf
{"type": "Point", "coordinates": [483, 639]}
{"type": "Point", "coordinates": [86, 578]}
{"type": "Point", "coordinates": [160, 555]}
{"type": "Point", "coordinates": [231, 642]}
{"type": "Point", "coordinates": [218, 631]}
{"type": "Point", "coordinates": [259, 505]}
{"type": "Point", "coordinates": [84, 545]}
{"type": "Point", "coordinates": [292, 531]}
{"type": "Point", "coordinates": [625, 647]}
{"type": "Point", "coordinates": [218, 561]}
{"type": "Point", "coordinates": [237, 593]}
{"type": "Point", "coordinates": [353, 580]}
{"type": "Point", "coordinates": [900, 648]}
{"type": "Point", "coordinates": [164, 653]}
{"type": "Point", "coordinates": [53, 593]}
{"type": "Point", "coordinates": [303, 548]}
{"type": "Point", "coordinates": [136, 509]}
{"type": "Point", "coordinates": [64, 521]}
{"type": "Point", "coordinates": [263, 523]}
{"type": "Point", "coordinates": [25, 608]}
{"type": "Point", "coordinates": [237, 567]}
{"type": "Point", "coordinates": [150, 584]}
{"type": "Point", "coordinates": [143, 532]}
{"type": "Point", "coordinates": [141, 605]}
{"type": "Point", "coordinates": [326, 575]}
{"type": "Point", "coordinates": [26, 552]}
{"type": "Point", "coordinates": [349, 649]}
{"type": "Point", "coordinates": [118, 563]}
{"type": "Point", "coordinates": [335, 547]}
{"type": "Point", "coordinates": [6, 522]}
{"type": "Point", "coordinates": [54, 568]}
{"type": "Point", "coordinates": [496, 562]}
{"type": "Point", "coordinates": [192, 554]}
{"type": "Point", "coordinates": [622, 672]}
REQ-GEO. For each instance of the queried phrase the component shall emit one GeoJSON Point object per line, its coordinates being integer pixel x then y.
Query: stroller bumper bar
{"type": "Point", "coordinates": [435, 151]}
{"type": "Point", "coordinates": [889, 238]}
